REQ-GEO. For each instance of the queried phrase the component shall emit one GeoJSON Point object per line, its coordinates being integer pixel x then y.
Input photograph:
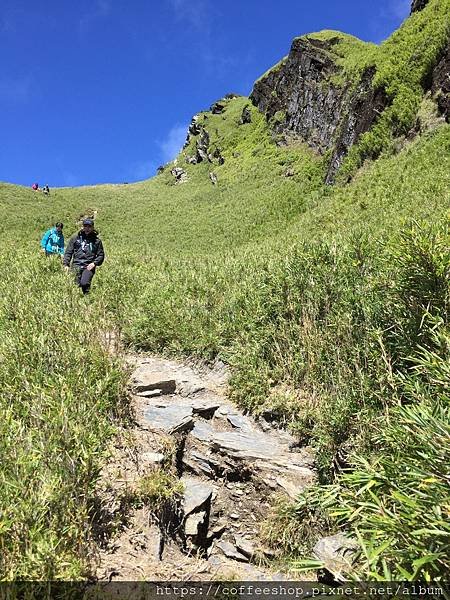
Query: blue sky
{"type": "Point", "coordinates": [99, 91]}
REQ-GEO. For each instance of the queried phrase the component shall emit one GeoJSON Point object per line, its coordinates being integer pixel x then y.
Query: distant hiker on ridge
{"type": "Point", "coordinates": [52, 242]}
{"type": "Point", "coordinates": [85, 251]}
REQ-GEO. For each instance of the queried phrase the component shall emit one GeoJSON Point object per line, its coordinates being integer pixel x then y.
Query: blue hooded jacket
{"type": "Point", "coordinates": [53, 241]}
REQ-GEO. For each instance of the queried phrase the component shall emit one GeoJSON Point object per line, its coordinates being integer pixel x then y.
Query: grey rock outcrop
{"type": "Point", "coordinates": [418, 5]}
{"type": "Point", "coordinates": [246, 116]}
{"type": "Point", "coordinates": [296, 89]}
{"type": "Point", "coordinates": [217, 108]}
{"type": "Point", "coordinates": [441, 84]}
{"type": "Point", "coordinates": [202, 146]}
{"type": "Point", "coordinates": [194, 129]}
{"type": "Point", "coordinates": [179, 174]}
{"type": "Point", "coordinates": [303, 94]}
{"type": "Point", "coordinates": [336, 552]}
{"type": "Point", "coordinates": [362, 110]}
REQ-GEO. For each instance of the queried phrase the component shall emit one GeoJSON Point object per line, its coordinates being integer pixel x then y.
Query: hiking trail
{"type": "Point", "coordinates": [230, 466]}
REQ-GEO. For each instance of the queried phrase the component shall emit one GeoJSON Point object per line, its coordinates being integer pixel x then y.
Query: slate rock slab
{"type": "Point", "coordinates": [145, 380]}
{"type": "Point", "coordinates": [172, 418]}
{"type": "Point", "coordinates": [231, 551]}
{"type": "Point", "coordinates": [196, 495]}
{"type": "Point", "coordinates": [336, 552]}
{"type": "Point", "coordinates": [244, 445]}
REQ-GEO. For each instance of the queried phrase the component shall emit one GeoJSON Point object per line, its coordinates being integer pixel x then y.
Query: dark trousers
{"type": "Point", "coordinates": [84, 278]}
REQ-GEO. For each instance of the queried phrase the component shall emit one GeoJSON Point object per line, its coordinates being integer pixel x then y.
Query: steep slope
{"type": "Point", "coordinates": [332, 88]}
{"type": "Point", "coordinates": [331, 308]}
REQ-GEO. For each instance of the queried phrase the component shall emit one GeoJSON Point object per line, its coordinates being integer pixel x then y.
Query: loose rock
{"type": "Point", "coordinates": [217, 108]}
{"type": "Point", "coordinates": [179, 174]}
{"type": "Point", "coordinates": [337, 554]}
{"type": "Point", "coordinates": [246, 116]}
{"type": "Point", "coordinates": [244, 546]}
{"type": "Point", "coordinates": [147, 380]}
{"type": "Point", "coordinates": [231, 551]}
{"type": "Point", "coordinates": [193, 523]}
{"type": "Point", "coordinates": [196, 495]}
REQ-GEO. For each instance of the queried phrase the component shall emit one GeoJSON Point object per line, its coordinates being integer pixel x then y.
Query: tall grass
{"type": "Point", "coordinates": [60, 390]}
{"type": "Point", "coordinates": [392, 491]}
{"type": "Point", "coordinates": [334, 324]}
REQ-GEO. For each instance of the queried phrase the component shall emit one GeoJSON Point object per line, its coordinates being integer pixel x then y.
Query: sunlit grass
{"type": "Point", "coordinates": [330, 318]}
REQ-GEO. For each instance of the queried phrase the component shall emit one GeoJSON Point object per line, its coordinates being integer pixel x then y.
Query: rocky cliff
{"type": "Point", "coordinates": [313, 93]}
{"type": "Point", "coordinates": [441, 84]}
{"type": "Point", "coordinates": [418, 5]}
{"type": "Point", "coordinates": [310, 97]}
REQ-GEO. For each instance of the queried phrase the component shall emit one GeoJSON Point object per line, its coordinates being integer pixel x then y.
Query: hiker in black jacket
{"type": "Point", "coordinates": [85, 250]}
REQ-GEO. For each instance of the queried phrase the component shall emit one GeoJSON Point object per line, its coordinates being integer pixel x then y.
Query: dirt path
{"type": "Point", "coordinates": [230, 467]}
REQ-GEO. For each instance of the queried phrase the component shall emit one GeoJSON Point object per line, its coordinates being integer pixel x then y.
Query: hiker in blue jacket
{"type": "Point", "coordinates": [53, 240]}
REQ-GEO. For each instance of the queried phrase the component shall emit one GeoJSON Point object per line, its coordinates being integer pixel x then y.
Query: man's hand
{"type": "Point", "coordinates": [90, 267]}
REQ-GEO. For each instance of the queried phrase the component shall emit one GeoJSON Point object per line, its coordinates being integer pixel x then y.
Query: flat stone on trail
{"type": "Point", "coordinates": [239, 421]}
{"type": "Point", "coordinates": [244, 546]}
{"type": "Point", "coordinates": [187, 388]}
{"type": "Point", "coordinates": [149, 394]}
{"type": "Point", "coordinates": [155, 458]}
{"type": "Point", "coordinates": [244, 445]}
{"type": "Point", "coordinates": [146, 380]}
{"type": "Point", "coordinates": [170, 419]}
{"type": "Point", "coordinates": [193, 522]}
{"type": "Point", "coordinates": [231, 551]}
{"type": "Point", "coordinates": [196, 494]}
{"type": "Point", "coordinates": [203, 431]}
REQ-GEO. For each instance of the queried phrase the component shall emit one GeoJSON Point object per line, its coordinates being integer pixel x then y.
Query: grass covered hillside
{"type": "Point", "coordinates": [330, 303]}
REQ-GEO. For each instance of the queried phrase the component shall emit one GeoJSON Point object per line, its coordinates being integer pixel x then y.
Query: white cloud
{"type": "Point", "coordinates": [168, 148]}
{"type": "Point", "coordinates": [173, 143]}
{"type": "Point", "coordinates": [389, 18]}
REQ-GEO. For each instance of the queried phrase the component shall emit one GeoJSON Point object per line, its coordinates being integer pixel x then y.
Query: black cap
{"type": "Point", "coordinates": [88, 222]}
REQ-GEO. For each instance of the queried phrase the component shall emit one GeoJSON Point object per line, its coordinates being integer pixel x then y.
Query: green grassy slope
{"type": "Point", "coordinates": [324, 309]}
